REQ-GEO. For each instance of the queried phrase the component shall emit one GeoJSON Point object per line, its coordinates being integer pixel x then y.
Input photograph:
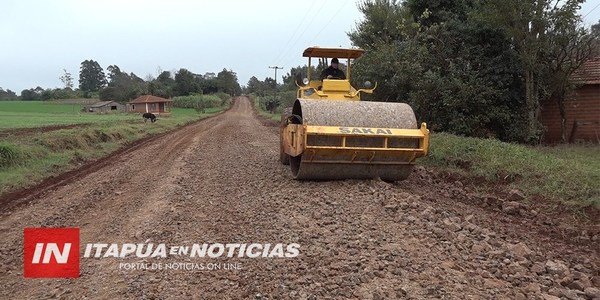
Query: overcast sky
{"type": "Point", "coordinates": [41, 37]}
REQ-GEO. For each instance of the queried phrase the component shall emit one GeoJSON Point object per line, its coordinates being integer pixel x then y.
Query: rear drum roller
{"type": "Point", "coordinates": [284, 158]}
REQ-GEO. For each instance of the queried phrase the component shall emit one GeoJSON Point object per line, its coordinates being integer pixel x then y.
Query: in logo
{"type": "Point", "coordinates": [51, 252]}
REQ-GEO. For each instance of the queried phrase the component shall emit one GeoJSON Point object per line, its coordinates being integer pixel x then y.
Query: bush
{"type": "Point", "coordinates": [223, 96]}
{"type": "Point", "coordinates": [9, 155]}
{"type": "Point", "coordinates": [287, 99]}
{"type": "Point", "coordinates": [199, 101]}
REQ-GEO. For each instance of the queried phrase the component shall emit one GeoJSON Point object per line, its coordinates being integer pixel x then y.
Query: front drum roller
{"type": "Point", "coordinates": [340, 164]}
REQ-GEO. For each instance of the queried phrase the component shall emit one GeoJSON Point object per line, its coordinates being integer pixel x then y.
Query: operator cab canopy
{"type": "Point", "coordinates": [332, 52]}
{"type": "Point", "coordinates": [341, 53]}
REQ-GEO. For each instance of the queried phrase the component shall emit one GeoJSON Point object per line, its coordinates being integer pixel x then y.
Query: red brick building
{"type": "Point", "coordinates": [151, 104]}
{"type": "Point", "coordinates": [582, 108]}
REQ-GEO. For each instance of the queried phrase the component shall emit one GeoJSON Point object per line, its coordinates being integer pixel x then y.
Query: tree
{"type": "Point", "coordinates": [296, 75]}
{"type": "Point", "coordinates": [57, 93]}
{"type": "Point", "coordinates": [529, 25]}
{"type": "Point", "coordinates": [456, 72]}
{"type": "Point", "coordinates": [570, 44]}
{"type": "Point", "coordinates": [186, 83]}
{"type": "Point", "coordinates": [149, 77]}
{"type": "Point", "coordinates": [163, 85]}
{"type": "Point", "coordinates": [595, 31]}
{"type": "Point", "coordinates": [254, 86]}
{"type": "Point", "coordinates": [384, 22]}
{"type": "Point", "coordinates": [122, 86]}
{"type": "Point", "coordinates": [28, 94]}
{"type": "Point", "coordinates": [209, 85]}
{"type": "Point", "coordinates": [91, 76]}
{"type": "Point", "coordinates": [7, 95]}
{"type": "Point", "coordinates": [269, 84]}
{"type": "Point", "coordinates": [32, 94]}
{"type": "Point", "coordinates": [227, 82]}
{"type": "Point", "coordinates": [430, 12]}
{"type": "Point", "coordinates": [67, 79]}
{"type": "Point", "coordinates": [166, 78]}
{"type": "Point", "coordinates": [114, 72]}
{"type": "Point", "coordinates": [387, 33]}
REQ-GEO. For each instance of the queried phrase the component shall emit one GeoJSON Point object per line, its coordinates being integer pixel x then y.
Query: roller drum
{"type": "Point", "coordinates": [284, 158]}
{"type": "Point", "coordinates": [353, 114]}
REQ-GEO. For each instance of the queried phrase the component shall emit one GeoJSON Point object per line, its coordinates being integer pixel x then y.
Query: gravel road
{"type": "Point", "coordinates": [219, 181]}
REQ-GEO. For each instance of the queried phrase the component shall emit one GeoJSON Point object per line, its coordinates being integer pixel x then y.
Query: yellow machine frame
{"type": "Point", "coordinates": [296, 136]}
{"type": "Point", "coordinates": [331, 89]}
{"type": "Point", "coordinates": [295, 147]}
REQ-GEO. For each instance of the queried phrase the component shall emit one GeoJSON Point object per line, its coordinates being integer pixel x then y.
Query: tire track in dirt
{"type": "Point", "coordinates": [110, 201]}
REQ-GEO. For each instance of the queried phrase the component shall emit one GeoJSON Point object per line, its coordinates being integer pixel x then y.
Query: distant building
{"type": "Point", "coordinates": [105, 107]}
{"type": "Point", "coordinates": [151, 104]}
{"type": "Point", "coordinates": [582, 108]}
{"type": "Point", "coordinates": [210, 75]}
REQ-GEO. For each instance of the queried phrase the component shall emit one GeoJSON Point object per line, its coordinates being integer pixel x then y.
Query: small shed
{"type": "Point", "coordinates": [105, 107]}
{"type": "Point", "coordinates": [151, 104]}
{"type": "Point", "coordinates": [582, 108]}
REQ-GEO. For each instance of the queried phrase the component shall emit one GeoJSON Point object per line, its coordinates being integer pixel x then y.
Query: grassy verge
{"type": "Point", "coordinates": [269, 116]}
{"type": "Point", "coordinates": [28, 114]}
{"type": "Point", "coordinates": [28, 159]}
{"type": "Point", "coordinates": [259, 108]}
{"type": "Point", "coordinates": [566, 173]}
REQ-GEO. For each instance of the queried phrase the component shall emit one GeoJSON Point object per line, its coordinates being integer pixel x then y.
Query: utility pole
{"type": "Point", "coordinates": [276, 68]}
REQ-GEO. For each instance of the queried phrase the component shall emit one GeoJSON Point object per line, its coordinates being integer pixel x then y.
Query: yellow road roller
{"type": "Point", "coordinates": [330, 134]}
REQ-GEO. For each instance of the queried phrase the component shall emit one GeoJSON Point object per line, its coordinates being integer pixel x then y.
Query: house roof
{"type": "Point", "coordinates": [589, 72]}
{"type": "Point", "coordinates": [149, 99]}
{"type": "Point", "coordinates": [102, 103]}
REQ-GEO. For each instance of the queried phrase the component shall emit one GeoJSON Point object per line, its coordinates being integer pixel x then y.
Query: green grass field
{"type": "Point", "coordinates": [38, 107]}
{"type": "Point", "coordinates": [26, 114]}
{"type": "Point", "coordinates": [28, 158]}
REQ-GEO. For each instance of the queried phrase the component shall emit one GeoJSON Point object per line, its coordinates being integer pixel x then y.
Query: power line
{"type": "Point", "coordinates": [589, 12]}
{"type": "Point", "coordinates": [306, 27]}
{"type": "Point", "coordinates": [276, 68]}
{"type": "Point", "coordinates": [279, 57]}
{"type": "Point", "coordinates": [329, 22]}
{"type": "Point", "coordinates": [326, 25]}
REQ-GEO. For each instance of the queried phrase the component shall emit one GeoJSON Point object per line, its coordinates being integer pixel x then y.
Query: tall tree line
{"type": "Point", "coordinates": [119, 85]}
{"type": "Point", "coordinates": [473, 67]}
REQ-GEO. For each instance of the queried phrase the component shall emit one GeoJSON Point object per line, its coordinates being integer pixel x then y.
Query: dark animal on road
{"type": "Point", "coordinates": [149, 116]}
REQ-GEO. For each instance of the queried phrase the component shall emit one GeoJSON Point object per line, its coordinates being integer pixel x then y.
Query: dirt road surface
{"type": "Point", "coordinates": [219, 181]}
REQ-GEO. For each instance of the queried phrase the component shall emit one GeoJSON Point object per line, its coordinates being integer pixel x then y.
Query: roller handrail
{"type": "Point", "coordinates": [366, 91]}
